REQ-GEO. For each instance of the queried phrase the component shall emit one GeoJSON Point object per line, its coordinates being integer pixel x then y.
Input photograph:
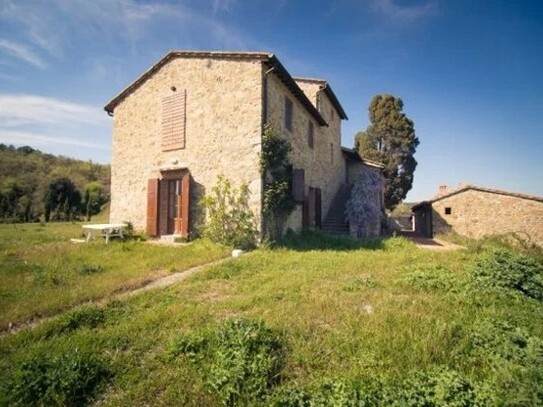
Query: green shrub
{"type": "Point", "coordinates": [229, 221]}
{"type": "Point", "coordinates": [503, 269]}
{"type": "Point", "coordinates": [69, 379]}
{"type": "Point", "coordinates": [242, 359]}
{"type": "Point", "coordinates": [440, 387]}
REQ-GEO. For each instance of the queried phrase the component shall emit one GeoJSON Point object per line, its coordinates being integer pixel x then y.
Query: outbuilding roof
{"type": "Point", "coordinates": [467, 187]}
{"type": "Point", "coordinates": [271, 61]}
{"type": "Point", "coordinates": [353, 155]}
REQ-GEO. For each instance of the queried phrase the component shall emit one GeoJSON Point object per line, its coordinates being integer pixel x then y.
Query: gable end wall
{"type": "Point", "coordinates": [223, 133]}
{"type": "Point", "coordinates": [476, 214]}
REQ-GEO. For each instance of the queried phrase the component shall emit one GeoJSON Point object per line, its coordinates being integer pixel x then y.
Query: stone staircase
{"type": "Point", "coordinates": [334, 223]}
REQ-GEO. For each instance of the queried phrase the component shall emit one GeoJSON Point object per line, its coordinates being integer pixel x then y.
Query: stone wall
{"type": "Point", "coordinates": [324, 164]}
{"type": "Point", "coordinates": [477, 213]}
{"type": "Point", "coordinates": [223, 133]}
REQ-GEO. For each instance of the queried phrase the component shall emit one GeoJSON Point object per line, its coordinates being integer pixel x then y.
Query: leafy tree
{"type": "Point", "coordinates": [390, 139]}
{"type": "Point", "coordinates": [62, 200]}
{"type": "Point", "coordinates": [93, 199]}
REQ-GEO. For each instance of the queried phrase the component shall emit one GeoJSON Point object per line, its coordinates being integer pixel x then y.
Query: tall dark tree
{"type": "Point", "coordinates": [62, 200]}
{"type": "Point", "coordinates": [390, 139]}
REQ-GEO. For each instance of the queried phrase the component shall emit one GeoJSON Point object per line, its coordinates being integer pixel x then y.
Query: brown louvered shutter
{"type": "Point", "coordinates": [152, 207]}
{"type": "Point", "coordinates": [173, 121]}
{"type": "Point", "coordinates": [185, 205]}
{"type": "Point", "coordinates": [318, 208]}
{"type": "Point", "coordinates": [298, 185]}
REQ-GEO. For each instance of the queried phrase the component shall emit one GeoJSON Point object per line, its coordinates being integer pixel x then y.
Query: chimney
{"type": "Point", "coordinates": [442, 190]}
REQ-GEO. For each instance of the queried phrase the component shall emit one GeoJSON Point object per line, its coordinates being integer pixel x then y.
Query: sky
{"type": "Point", "coordinates": [470, 72]}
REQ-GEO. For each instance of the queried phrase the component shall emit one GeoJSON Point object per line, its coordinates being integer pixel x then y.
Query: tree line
{"type": "Point", "coordinates": [36, 186]}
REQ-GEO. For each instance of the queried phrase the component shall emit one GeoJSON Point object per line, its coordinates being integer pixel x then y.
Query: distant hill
{"type": "Point", "coordinates": [26, 173]}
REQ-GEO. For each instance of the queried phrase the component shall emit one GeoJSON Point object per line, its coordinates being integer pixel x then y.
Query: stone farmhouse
{"type": "Point", "coordinates": [475, 212]}
{"type": "Point", "coordinates": [195, 115]}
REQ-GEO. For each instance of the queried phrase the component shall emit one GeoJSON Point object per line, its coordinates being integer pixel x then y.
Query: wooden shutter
{"type": "Point", "coordinates": [318, 208]}
{"type": "Point", "coordinates": [152, 206]}
{"type": "Point", "coordinates": [173, 121]}
{"type": "Point", "coordinates": [298, 185]}
{"type": "Point", "coordinates": [305, 215]}
{"type": "Point", "coordinates": [185, 205]}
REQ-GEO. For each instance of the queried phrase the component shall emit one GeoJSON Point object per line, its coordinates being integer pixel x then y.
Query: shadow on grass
{"type": "Point", "coordinates": [312, 240]}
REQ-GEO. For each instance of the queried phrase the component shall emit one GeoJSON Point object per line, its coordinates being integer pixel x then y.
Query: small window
{"type": "Point", "coordinates": [331, 153]}
{"type": "Point", "coordinates": [288, 114]}
{"type": "Point", "coordinates": [448, 210]}
{"type": "Point", "coordinates": [332, 115]}
{"type": "Point", "coordinates": [310, 133]}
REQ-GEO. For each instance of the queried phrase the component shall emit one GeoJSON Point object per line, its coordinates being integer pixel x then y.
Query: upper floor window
{"type": "Point", "coordinates": [310, 133]}
{"type": "Point", "coordinates": [288, 114]}
{"type": "Point", "coordinates": [332, 114]}
{"type": "Point", "coordinates": [173, 121]}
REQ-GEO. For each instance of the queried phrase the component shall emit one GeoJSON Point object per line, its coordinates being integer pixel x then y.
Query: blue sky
{"type": "Point", "coordinates": [470, 73]}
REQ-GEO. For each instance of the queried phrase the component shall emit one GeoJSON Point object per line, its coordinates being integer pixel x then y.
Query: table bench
{"type": "Point", "coordinates": [106, 230]}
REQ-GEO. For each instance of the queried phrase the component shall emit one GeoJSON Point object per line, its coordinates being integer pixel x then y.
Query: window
{"type": "Point", "coordinates": [332, 153]}
{"type": "Point", "coordinates": [332, 115]}
{"type": "Point", "coordinates": [173, 121]}
{"type": "Point", "coordinates": [310, 133]}
{"type": "Point", "coordinates": [288, 114]}
{"type": "Point", "coordinates": [448, 210]}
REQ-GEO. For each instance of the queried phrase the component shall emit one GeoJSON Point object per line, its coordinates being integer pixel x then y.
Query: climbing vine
{"type": "Point", "coordinates": [278, 202]}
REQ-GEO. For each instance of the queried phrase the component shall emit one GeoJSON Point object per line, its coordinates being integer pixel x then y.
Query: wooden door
{"type": "Point", "coordinates": [174, 206]}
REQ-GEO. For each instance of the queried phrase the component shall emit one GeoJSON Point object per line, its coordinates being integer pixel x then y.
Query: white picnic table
{"type": "Point", "coordinates": [106, 230]}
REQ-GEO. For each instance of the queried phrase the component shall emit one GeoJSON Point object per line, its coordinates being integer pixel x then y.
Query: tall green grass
{"type": "Point", "coordinates": [392, 325]}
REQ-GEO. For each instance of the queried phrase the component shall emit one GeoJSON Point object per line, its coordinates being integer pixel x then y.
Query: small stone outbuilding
{"type": "Point", "coordinates": [476, 211]}
{"type": "Point", "coordinates": [195, 115]}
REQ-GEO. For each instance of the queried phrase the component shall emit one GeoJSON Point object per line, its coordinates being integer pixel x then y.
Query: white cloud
{"type": "Point", "coordinates": [21, 52]}
{"type": "Point", "coordinates": [59, 26]}
{"type": "Point", "coordinates": [405, 14]}
{"type": "Point", "coordinates": [20, 110]}
{"type": "Point", "coordinates": [27, 138]}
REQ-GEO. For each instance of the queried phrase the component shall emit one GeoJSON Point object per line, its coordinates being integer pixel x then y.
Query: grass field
{"type": "Point", "coordinates": [314, 321]}
{"type": "Point", "coordinates": [42, 272]}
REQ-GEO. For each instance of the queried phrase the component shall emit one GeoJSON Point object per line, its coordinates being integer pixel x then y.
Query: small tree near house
{"type": "Point", "coordinates": [229, 220]}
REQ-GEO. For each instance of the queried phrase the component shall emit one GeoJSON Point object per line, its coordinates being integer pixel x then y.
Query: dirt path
{"type": "Point", "coordinates": [429, 244]}
{"type": "Point", "coordinates": [122, 295]}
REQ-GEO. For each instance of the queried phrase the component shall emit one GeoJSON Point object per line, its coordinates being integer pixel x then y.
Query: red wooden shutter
{"type": "Point", "coordinates": [152, 206]}
{"type": "Point", "coordinates": [298, 185]}
{"type": "Point", "coordinates": [185, 205]}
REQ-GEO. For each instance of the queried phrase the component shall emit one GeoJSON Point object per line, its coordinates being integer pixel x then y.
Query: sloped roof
{"type": "Point", "coordinates": [271, 61]}
{"type": "Point", "coordinates": [327, 89]}
{"type": "Point", "coordinates": [467, 187]}
{"type": "Point", "coordinates": [353, 155]}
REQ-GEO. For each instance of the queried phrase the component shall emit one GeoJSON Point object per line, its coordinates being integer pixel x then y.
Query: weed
{"type": "Point", "coordinates": [90, 268]}
{"type": "Point", "coordinates": [65, 380]}
{"type": "Point", "coordinates": [243, 359]}
{"type": "Point", "coordinates": [83, 317]}
{"type": "Point", "coordinates": [502, 269]}
{"type": "Point", "coordinates": [430, 278]}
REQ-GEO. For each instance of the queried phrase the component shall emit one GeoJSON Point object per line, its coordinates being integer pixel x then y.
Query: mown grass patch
{"type": "Point", "coordinates": [395, 325]}
{"type": "Point", "coordinates": [43, 273]}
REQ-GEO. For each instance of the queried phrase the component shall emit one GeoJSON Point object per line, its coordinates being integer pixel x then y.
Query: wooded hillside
{"type": "Point", "coordinates": [33, 184]}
